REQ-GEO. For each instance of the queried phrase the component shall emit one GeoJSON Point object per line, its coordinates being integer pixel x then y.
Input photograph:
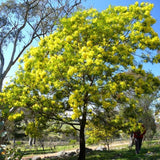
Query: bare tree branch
{"type": "Point", "coordinates": [39, 15]}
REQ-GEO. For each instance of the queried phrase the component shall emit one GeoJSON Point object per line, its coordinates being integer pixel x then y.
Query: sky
{"type": "Point", "coordinates": [102, 5]}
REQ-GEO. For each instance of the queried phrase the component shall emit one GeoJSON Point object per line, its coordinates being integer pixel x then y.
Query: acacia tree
{"type": "Point", "coordinates": [76, 70]}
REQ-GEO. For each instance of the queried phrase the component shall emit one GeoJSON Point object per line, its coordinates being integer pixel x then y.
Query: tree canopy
{"type": "Point", "coordinates": [81, 68]}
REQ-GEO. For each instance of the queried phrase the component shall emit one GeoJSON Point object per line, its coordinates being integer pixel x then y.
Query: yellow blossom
{"type": "Point", "coordinates": [69, 38]}
{"type": "Point", "coordinates": [89, 43]}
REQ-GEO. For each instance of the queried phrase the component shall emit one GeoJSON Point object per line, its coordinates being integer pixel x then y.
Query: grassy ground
{"type": "Point", "coordinates": [153, 154]}
{"type": "Point", "coordinates": [39, 150]}
{"type": "Point", "coordinates": [48, 150]}
{"type": "Point", "coordinates": [150, 151]}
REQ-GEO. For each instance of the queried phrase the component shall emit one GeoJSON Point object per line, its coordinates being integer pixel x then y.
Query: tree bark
{"type": "Point", "coordinates": [82, 144]}
{"type": "Point", "coordinates": [30, 141]}
{"type": "Point", "coordinates": [1, 84]}
{"type": "Point", "coordinates": [14, 142]}
{"type": "Point", "coordinates": [1, 68]}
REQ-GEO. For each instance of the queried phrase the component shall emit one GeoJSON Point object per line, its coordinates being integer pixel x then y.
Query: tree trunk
{"type": "Point", "coordinates": [41, 143]}
{"type": "Point", "coordinates": [14, 142]}
{"type": "Point", "coordinates": [82, 144]}
{"type": "Point", "coordinates": [30, 141]}
{"type": "Point", "coordinates": [34, 140]}
{"type": "Point", "coordinates": [1, 84]}
{"type": "Point", "coordinates": [82, 153]}
{"type": "Point", "coordinates": [1, 68]}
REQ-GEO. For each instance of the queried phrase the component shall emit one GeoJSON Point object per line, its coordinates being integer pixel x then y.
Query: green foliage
{"type": "Point", "coordinates": [72, 141]}
{"type": "Point", "coordinates": [104, 126]}
{"type": "Point", "coordinates": [13, 154]}
{"type": "Point", "coordinates": [10, 154]}
{"type": "Point", "coordinates": [2, 153]}
{"type": "Point", "coordinates": [2, 136]}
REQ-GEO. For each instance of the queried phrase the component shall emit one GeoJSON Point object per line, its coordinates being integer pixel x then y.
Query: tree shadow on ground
{"type": "Point", "coordinates": [148, 153]}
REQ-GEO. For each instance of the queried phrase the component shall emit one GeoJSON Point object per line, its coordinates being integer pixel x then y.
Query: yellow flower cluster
{"type": "Point", "coordinates": [71, 71]}
{"type": "Point", "coordinates": [36, 107]}
{"type": "Point", "coordinates": [112, 87]}
{"type": "Point", "coordinates": [123, 84]}
{"type": "Point", "coordinates": [16, 116]}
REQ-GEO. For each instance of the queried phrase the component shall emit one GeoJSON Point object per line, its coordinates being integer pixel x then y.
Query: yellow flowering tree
{"type": "Point", "coordinates": [80, 68]}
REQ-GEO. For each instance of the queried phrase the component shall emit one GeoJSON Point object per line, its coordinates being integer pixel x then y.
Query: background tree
{"type": "Point", "coordinates": [145, 106]}
{"type": "Point", "coordinates": [144, 111]}
{"type": "Point", "coordinates": [77, 69]}
{"type": "Point", "coordinates": [103, 126]}
{"type": "Point", "coordinates": [148, 118]}
{"type": "Point", "coordinates": [21, 22]}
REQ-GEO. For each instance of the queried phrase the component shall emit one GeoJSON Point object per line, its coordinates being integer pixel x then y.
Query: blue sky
{"type": "Point", "coordinates": [103, 4]}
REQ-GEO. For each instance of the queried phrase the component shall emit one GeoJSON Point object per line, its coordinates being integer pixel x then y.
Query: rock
{"type": "Point", "coordinates": [88, 150]}
{"type": "Point", "coordinates": [51, 158]}
{"type": "Point", "coordinates": [149, 153]}
{"type": "Point", "coordinates": [61, 154]}
{"type": "Point", "coordinates": [70, 154]}
{"type": "Point", "coordinates": [104, 149]}
{"type": "Point", "coordinates": [100, 148]}
{"type": "Point", "coordinates": [77, 150]}
{"type": "Point", "coordinates": [36, 158]}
